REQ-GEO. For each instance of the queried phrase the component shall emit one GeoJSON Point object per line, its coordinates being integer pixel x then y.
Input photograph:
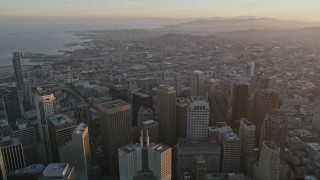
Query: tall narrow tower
{"type": "Point", "coordinates": [76, 152]}
{"type": "Point", "coordinates": [197, 83]}
{"type": "Point", "coordinates": [45, 103]}
{"type": "Point", "coordinates": [19, 79]}
{"type": "Point", "coordinates": [198, 118]}
{"type": "Point", "coordinates": [167, 115]}
{"type": "Point", "coordinates": [115, 128]}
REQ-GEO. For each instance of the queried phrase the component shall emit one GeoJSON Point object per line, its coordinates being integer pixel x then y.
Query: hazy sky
{"type": "Point", "coordinates": [288, 9]}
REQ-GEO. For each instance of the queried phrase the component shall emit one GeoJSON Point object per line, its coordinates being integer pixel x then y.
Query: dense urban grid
{"type": "Point", "coordinates": [161, 104]}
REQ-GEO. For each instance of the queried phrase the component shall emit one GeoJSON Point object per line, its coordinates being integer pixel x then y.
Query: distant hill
{"type": "Point", "coordinates": [236, 24]}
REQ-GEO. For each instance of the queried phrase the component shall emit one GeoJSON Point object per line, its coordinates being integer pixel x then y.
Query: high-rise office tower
{"type": "Point", "coordinates": [76, 152]}
{"type": "Point", "coordinates": [231, 153]}
{"type": "Point", "coordinates": [12, 105]}
{"type": "Point", "coordinates": [186, 151]}
{"type": "Point", "coordinates": [250, 69]}
{"type": "Point", "coordinates": [181, 117]}
{"type": "Point", "coordinates": [115, 128]}
{"type": "Point", "coordinates": [45, 107]}
{"type": "Point", "coordinates": [268, 166]}
{"type": "Point", "coordinates": [82, 113]}
{"type": "Point", "coordinates": [61, 127]}
{"type": "Point", "coordinates": [27, 135]}
{"type": "Point", "coordinates": [274, 128]}
{"type": "Point", "coordinates": [197, 118]}
{"type": "Point", "coordinates": [247, 132]}
{"type": "Point", "coordinates": [139, 99]}
{"type": "Point", "coordinates": [32, 172]}
{"type": "Point", "coordinates": [197, 84]}
{"type": "Point", "coordinates": [16, 56]}
{"type": "Point", "coordinates": [119, 92]}
{"type": "Point", "coordinates": [167, 115]}
{"type": "Point", "coordinates": [3, 172]}
{"type": "Point", "coordinates": [218, 106]}
{"type": "Point", "coordinates": [239, 103]}
{"type": "Point", "coordinates": [12, 151]}
{"type": "Point", "coordinates": [159, 161]}
{"type": "Point", "coordinates": [130, 161]}
{"type": "Point", "coordinates": [178, 85]}
{"type": "Point", "coordinates": [57, 171]}
{"type": "Point", "coordinates": [199, 169]}
{"type": "Point", "coordinates": [264, 101]}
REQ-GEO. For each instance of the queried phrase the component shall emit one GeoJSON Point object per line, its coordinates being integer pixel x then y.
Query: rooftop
{"type": "Point", "coordinates": [314, 146]}
{"type": "Point", "coordinates": [130, 148]}
{"type": "Point", "coordinates": [56, 170]}
{"type": "Point", "coordinates": [61, 119]}
{"type": "Point", "coordinates": [141, 94]}
{"type": "Point", "coordinates": [80, 128]}
{"type": "Point", "coordinates": [114, 104]}
{"type": "Point", "coordinates": [184, 143]}
{"type": "Point", "coordinates": [33, 169]}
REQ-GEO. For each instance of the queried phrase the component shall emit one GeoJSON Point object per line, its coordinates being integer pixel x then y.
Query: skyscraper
{"type": "Point", "coordinates": [76, 152]}
{"type": "Point", "coordinates": [27, 135]}
{"type": "Point", "coordinates": [130, 161]}
{"type": "Point", "coordinates": [45, 107]}
{"type": "Point", "coordinates": [159, 161]}
{"type": "Point", "coordinates": [231, 153]}
{"type": "Point", "coordinates": [247, 132]}
{"type": "Point", "coordinates": [57, 171]}
{"type": "Point", "coordinates": [139, 99]}
{"type": "Point", "coordinates": [186, 151]}
{"type": "Point", "coordinates": [119, 92]}
{"type": "Point", "coordinates": [181, 117]}
{"type": "Point", "coordinates": [12, 105]}
{"type": "Point", "coordinates": [239, 103]}
{"type": "Point", "coordinates": [12, 149]}
{"type": "Point", "coordinates": [150, 128]}
{"type": "Point", "coordinates": [3, 172]}
{"type": "Point", "coordinates": [268, 166]}
{"type": "Point", "coordinates": [115, 128]}
{"type": "Point", "coordinates": [167, 115]}
{"type": "Point", "coordinates": [197, 83]}
{"type": "Point", "coordinates": [61, 127]}
{"type": "Point", "coordinates": [178, 85]}
{"type": "Point", "coordinates": [250, 69]}
{"type": "Point", "coordinates": [264, 101]}
{"type": "Point", "coordinates": [274, 128]}
{"type": "Point", "coordinates": [198, 118]}
{"type": "Point", "coordinates": [19, 79]}
{"type": "Point", "coordinates": [12, 152]}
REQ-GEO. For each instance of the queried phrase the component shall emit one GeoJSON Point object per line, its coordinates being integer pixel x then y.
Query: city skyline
{"type": "Point", "coordinates": [283, 9]}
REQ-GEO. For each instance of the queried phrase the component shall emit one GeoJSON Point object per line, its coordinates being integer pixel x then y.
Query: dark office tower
{"type": "Point", "coordinates": [264, 101]}
{"type": "Point", "coordinates": [61, 127]}
{"type": "Point", "coordinates": [178, 85]}
{"type": "Point", "coordinates": [45, 103]}
{"type": "Point", "coordinates": [119, 92]}
{"type": "Point", "coordinates": [76, 152]}
{"type": "Point", "coordinates": [32, 172]}
{"type": "Point", "coordinates": [19, 78]}
{"type": "Point", "coordinates": [3, 172]}
{"type": "Point", "coordinates": [115, 128]}
{"type": "Point", "coordinates": [139, 99]}
{"type": "Point", "coordinates": [199, 169]}
{"type": "Point", "coordinates": [82, 112]}
{"type": "Point", "coordinates": [181, 117]}
{"type": "Point", "coordinates": [12, 105]}
{"type": "Point", "coordinates": [12, 152]}
{"type": "Point", "coordinates": [144, 114]}
{"type": "Point", "coordinates": [27, 135]}
{"type": "Point", "coordinates": [18, 70]}
{"type": "Point", "coordinates": [274, 128]}
{"type": "Point", "coordinates": [239, 104]}
{"type": "Point", "coordinates": [167, 115]}
{"type": "Point", "coordinates": [219, 106]}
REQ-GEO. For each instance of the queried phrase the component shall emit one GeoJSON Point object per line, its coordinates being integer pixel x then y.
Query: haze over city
{"type": "Point", "coordinates": [159, 90]}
